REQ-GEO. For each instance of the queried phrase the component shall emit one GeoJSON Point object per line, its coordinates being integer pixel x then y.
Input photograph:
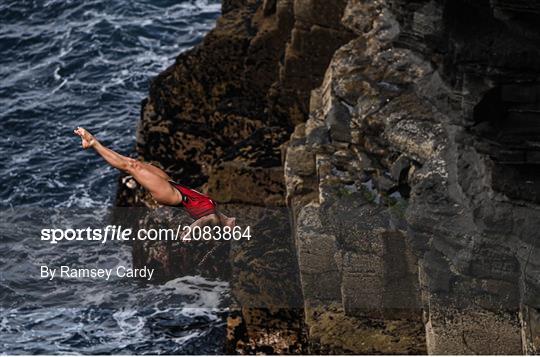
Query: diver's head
{"type": "Point", "coordinates": [227, 221]}
{"type": "Point", "coordinates": [230, 222]}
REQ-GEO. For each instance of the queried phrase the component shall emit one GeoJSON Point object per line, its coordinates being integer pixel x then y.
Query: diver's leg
{"type": "Point", "coordinates": [160, 188]}
{"type": "Point", "coordinates": [148, 176]}
{"type": "Point", "coordinates": [113, 158]}
{"type": "Point", "coordinates": [156, 171]}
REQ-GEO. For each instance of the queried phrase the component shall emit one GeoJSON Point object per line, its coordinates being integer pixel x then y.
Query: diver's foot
{"type": "Point", "coordinates": [88, 139]}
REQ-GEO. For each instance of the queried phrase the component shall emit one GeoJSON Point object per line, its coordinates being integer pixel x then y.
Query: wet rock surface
{"type": "Point", "coordinates": [403, 138]}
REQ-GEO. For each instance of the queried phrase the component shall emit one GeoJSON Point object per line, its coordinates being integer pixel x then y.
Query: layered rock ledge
{"type": "Point", "coordinates": [402, 137]}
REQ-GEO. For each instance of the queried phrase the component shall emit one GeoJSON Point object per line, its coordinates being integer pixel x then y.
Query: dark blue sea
{"type": "Point", "coordinates": [68, 63]}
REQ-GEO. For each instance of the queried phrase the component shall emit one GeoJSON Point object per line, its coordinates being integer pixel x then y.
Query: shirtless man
{"type": "Point", "coordinates": [165, 191]}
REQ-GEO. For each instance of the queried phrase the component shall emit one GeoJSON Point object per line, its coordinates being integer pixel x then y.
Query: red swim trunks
{"type": "Point", "coordinates": [196, 204]}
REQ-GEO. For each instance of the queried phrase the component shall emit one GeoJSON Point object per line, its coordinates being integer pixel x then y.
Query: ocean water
{"type": "Point", "coordinates": [68, 63]}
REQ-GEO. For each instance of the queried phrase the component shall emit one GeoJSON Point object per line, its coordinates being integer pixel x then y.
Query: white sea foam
{"type": "Point", "coordinates": [59, 86]}
{"type": "Point", "coordinates": [54, 75]}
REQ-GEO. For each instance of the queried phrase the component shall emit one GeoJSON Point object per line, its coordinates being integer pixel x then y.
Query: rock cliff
{"type": "Point", "coordinates": [424, 140]}
{"type": "Point", "coordinates": [403, 138]}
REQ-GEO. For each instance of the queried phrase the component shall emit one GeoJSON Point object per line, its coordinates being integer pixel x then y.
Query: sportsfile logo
{"type": "Point", "coordinates": [119, 233]}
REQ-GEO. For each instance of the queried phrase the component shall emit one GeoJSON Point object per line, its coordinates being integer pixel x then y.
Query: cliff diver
{"type": "Point", "coordinates": [164, 190]}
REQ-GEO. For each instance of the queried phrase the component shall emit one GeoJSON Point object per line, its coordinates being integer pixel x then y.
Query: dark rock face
{"type": "Point", "coordinates": [412, 173]}
{"type": "Point", "coordinates": [437, 153]}
{"type": "Point", "coordinates": [225, 107]}
{"type": "Point", "coordinates": [218, 119]}
{"type": "Point", "coordinates": [266, 288]}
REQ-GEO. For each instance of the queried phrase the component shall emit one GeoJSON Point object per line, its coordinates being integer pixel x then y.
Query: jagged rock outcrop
{"type": "Point", "coordinates": [404, 138]}
{"type": "Point", "coordinates": [225, 107]}
{"type": "Point", "coordinates": [218, 119]}
{"type": "Point", "coordinates": [423, 138]}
